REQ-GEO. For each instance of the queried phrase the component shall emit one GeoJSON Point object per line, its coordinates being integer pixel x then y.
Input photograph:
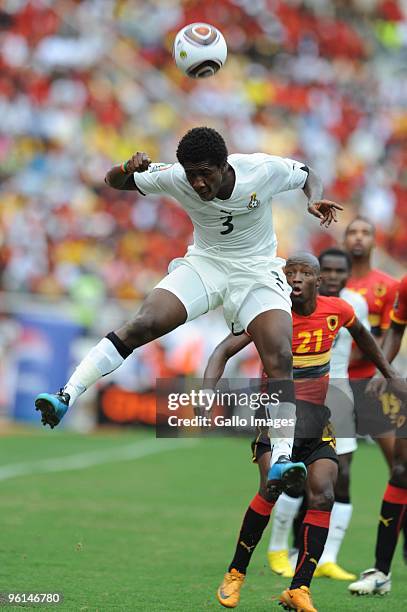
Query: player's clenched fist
{"type": "Point", "coordinates": [139, 162]}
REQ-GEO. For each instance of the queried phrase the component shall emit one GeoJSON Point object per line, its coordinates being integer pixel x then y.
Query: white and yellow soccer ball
{"type": "Point", "coordinates": [199, 50]}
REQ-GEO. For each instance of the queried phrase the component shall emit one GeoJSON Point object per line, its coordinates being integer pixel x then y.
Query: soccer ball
{"type": "Point", "coordinates": [199, 50]}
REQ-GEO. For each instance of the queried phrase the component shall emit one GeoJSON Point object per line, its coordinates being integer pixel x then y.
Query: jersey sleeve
{"type": "Point", "coordinates": [346, 313]}
{"type": "Point", "coordinates": [157, 179]}
{"type": "Point", "coordinates": [388, 306]}
{"type": "Point", "coordinates": [398, 314]}
{"type": "Point", "coordinates": [285, 174]}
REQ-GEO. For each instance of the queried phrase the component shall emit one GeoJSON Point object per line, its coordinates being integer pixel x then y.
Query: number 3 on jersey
{"type": "Point", "coordinates": [227, 223]}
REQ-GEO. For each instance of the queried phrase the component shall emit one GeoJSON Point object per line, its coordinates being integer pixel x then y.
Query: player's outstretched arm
{"type": "Point", "coordinates": [392, 340]}
{"type": "Point", "coordinates": [325, 210]}
{"type": "Point", "coordinates": [222, 353]}
{"type": "Point", "coordinates": [391, 346]}
{"type": "Point", "coordinates": [373, 352]}
{"type": "Point", "coordinates": [370, 348]}
{"type": "Point", "coordinates": [121, 177]}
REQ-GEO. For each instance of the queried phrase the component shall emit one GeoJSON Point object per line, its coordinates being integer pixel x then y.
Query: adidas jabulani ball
{"type": "Point", "coordinates": [199, 50]}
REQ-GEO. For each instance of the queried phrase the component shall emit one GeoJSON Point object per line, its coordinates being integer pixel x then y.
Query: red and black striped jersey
{"type": "Point", "coordinates": [313, 337]}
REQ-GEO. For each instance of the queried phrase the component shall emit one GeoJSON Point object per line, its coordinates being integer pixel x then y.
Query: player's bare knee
{"type": "Point", "coordinates": [263, 464]}
{"type": "Point", "coordinates": [399, 475]}
{"type": "Point", "coordinates": [143, 328]}
{"type": "Point", "coordinates": [285, 361]}
{"type": "Point", "coordinates": [278, 363]}
{"type": "Point", "coordinates": [323, 500]}
{"type": "Point", "coordinates": [263, 490]}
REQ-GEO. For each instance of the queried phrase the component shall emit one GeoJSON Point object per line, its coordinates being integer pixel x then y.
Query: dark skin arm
{"type": "Point", "coordinates": [357, 353]}
{"type": "Point", "coordinates": [372, 351]}
{"type": "Point", "coordinates": [233, 344]}
{"type": "Point", "coordinates": [392, 340]}
{"type": "Point", "coordinates": [220, 356]}
{"type": "Point", "coordinates": [118, 179]}
{"type": "Point", "coordinates": [391, 346]}
{"type": "Point", "coordinates": [370, 348]}
{"type": "Point", "coordinates": [325, 210]}
{"type": "Point", "coordinates": [217, 361]}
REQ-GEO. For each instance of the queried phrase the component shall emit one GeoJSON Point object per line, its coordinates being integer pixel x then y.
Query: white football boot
{"type": "Point", "coordinates": [371, 582]}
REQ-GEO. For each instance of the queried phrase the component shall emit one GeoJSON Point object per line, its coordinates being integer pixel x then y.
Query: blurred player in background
{"type": "Point", "coordinates": [316, 323]}
{"type": "Point", "coordinates": [232, 263]}
{"type": "Point", "coordinates": [377, 580]}
{"type": "Point", "coordinates": [378, 289]}
{"type": "Point", "coordinates": [374, 416]}
{"type": "Point", "coordinates": [335, 270]}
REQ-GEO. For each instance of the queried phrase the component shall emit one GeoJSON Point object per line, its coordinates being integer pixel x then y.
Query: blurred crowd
{"type": "Point", "coordinates": [83, 84]}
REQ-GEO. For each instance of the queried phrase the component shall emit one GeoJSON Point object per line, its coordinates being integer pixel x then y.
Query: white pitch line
{"type": "Point", "coordinates": [82, 461]}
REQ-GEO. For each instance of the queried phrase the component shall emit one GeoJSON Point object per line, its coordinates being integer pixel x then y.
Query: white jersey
{"type": "Point", "coordinates": [242, 225]}
{"type": "Point", "coordinates": [342, 346]}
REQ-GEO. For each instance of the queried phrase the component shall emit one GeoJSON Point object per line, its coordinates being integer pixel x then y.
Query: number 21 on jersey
{"type": "Point", "coordinates": [308, 339]}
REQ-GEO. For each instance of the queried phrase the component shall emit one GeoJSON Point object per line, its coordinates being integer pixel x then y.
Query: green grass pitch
{"type": "Point", "coordinates": [156, 532]}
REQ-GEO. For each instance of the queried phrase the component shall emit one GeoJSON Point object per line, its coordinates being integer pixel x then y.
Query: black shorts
{"type": "Point", "coordinates": [314, 438]}
{"type": "Point", "coordinates": [376, 417]}
{"type": "Point", "coordinates": [308, 452]}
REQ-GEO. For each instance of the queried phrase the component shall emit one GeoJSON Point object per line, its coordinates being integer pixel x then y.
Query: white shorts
{"type": "Point", "coordinates": [245, 288]}
{"type": "Point", "coordinates": [345, 445]}
{"type": "Point", "coordinates": [339, 400]}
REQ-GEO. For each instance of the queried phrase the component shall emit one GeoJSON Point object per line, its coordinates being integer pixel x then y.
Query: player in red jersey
{"type": "Point", "coordinates": [379, 290]}
{"type": "Point", "coordinates": [394, 504]}
{"type": "Point", "coordinates": [316, 322]}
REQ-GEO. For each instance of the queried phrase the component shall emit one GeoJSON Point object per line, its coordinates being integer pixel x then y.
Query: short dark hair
{"type": "Point", "coordinates": [335, 252]}
{"type": "Point", "coordinates": [202, 144]}
{"type": "Point", "coordinates": [303, 257]}
{"type": "Point", "coordinates": [361, 218]}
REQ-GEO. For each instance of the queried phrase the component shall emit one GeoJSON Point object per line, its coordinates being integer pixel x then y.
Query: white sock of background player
{"type": "Point", "coordinates": [340, 519]}
{"type": "Point", "coordinates": [284, 513]}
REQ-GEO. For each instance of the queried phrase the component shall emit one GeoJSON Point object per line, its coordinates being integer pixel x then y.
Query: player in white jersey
{"type": "Point", "coordinates": [232, 262]}
{"type": "Point", "coordinates": [335, 270]}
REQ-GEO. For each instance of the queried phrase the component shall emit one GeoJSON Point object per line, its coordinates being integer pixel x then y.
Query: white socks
{"type": "Point", "coordinates": [101, 360]}
{"type": "Point", "coordinates": [284, 513]}
{"type": "Point", "coordinates": [282, 434]}
{"type": "Point", "coordinates": [340, 519]}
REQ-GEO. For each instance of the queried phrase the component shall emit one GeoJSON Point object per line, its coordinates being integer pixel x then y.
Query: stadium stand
{"type": "Point", "coordinates": [83, 84]}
